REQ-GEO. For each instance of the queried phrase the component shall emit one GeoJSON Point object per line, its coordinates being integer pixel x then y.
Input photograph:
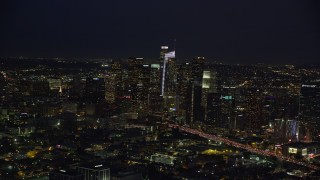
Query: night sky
{"type": "Point", "coordinates": [233, 31]}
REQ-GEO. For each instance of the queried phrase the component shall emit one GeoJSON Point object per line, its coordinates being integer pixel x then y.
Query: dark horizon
{"type": "Point", "coordinates": [270, 32]}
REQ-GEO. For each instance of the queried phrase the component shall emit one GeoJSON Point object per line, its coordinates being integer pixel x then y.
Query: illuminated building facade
{"type": "Point", "coordinates": [138, 81]}
{"type": "Point", "coordinates": [155, 101]}
{"type": "Point", "coordinates": [209, 86]}
{"type": "Point", "coordinates": [301, 149]}
{"type": "Point", "coordinates": [110, 94]}
{"type": "Point", "coordinates": [286, 130]}
{"type": "Point", "coordinates": [169, 80]}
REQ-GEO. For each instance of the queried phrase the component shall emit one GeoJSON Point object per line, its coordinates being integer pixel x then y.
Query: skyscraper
{"type": "Point", "coordinates": [95, 90]}
{"type": "Point", "coordinates": [310, 105]}
{"type": "Point", "coordinates": [209, 86]}
{"type": "Point", "coordinates": [169, 80]}
{"type": "Point", "coordinates": [154, 97]}
{"type": "Point", "coordinates": [310, 101]}
{"type": "Point", "coordinates": [163, 51]}
{"type": "Point", "coordinates": [183, 79]}
{"type": "Point", "coordinates": [197, 111]}
{"type": "Point", "coordinates": [212, 99]}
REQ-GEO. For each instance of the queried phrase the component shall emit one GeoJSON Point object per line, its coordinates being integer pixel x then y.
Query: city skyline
{"type": "Point", "coordinates": [79, 119]}
{"type": "Point", "coordinates": [119, 90]}
{"type": "Point", "coordinates": [230, 32]}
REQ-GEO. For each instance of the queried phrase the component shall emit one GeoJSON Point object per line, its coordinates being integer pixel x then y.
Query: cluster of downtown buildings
{"type": "Point", "coordinates": [107, 119]}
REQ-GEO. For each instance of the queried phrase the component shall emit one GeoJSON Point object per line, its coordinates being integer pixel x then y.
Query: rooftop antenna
{"type": "Point", "coordinates": [174, 44]}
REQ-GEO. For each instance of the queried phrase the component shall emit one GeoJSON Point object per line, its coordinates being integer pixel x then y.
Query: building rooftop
{"type": "Point", "coordinates": [302, 144]}
{"type": "Point", "coordinates": [95, 166]}
{"type": "Point", "coordinates": [68, 172]}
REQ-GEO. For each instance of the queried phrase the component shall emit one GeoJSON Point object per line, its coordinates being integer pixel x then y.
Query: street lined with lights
{"type": "Point", "coordinates": [242, 146]}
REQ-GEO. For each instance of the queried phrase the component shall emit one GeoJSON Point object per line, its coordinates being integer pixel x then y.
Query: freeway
{"type": "Point", "coordinates": [243, 146]}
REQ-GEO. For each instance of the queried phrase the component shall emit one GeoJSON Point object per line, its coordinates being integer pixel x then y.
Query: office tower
{"type": "Point", "coordinates": [54, 83]}
{"type": "Point", "coordinates": [197, 111]}
{"type": "Point", "coordinates": [183, 79]}
{"type": "Point", "coordinates": [142, 93]}
{"type": "Point", "coordinates": [77, 89]}
{"type": "Point", "coordinates": [162, 61]}
{"type": "Point", "coordinates": [254, 110]}
{"type": "Point", "coordinates": [66, 175]}
{"type": "Point", "coordinates": [134, 70]}
{"type": "Point", "coordinates": [155, 78]}
{"type": "Point", "coordinates": [94, 171]}
{"type": "Point", "coordinates": [220, 102]}
{"type": "Point", "coordinates": [239, 120]}
{"type": "Point", "coordinates": [310, 105]}
{"type": "Point", "coordinates": [310, 101]}
{"type": "Point", "coordinates": [170, 95]}
{"type": "Point", "coordinates": [155, 100]}
{"type": "Point", "coordinates": [138, 84]}
{"type": "Point", "coordinates": [144, 83]}
{"type": "Point", "coordinates": [227, 109]}
{"type": "Point", "coordinates": [95, 90]}
{"type": "Point", "coordinates": [163, 51]}
{"type": "Point", "coordinates": [213, 108]}
{"type": "Point", "coordinates": [286, 130]}
{"type": "Point", "coordinates": [169, 81]}
{"type": "Point", "coordinates": [209, 86]}
{"type": "Point", "coordinates": [121, 75]}
{"type": "Point", "coordinates": [292, 131]}
{"type": "Point", "coordinates": [287, 105]}
{"type": "Point", "coordinates": [110, 80]}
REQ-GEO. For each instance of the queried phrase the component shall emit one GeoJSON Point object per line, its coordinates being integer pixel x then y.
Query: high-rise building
{"type": "Point", "coordinates": [170, 95]}
{"type": "Point", "coordinates": [55, 85]}
{"type": "Point", "coordinates": [197, 111]}
{"type": "Point", "coordinates": [138, 82]}
{"type": "Point", "coordinates": [77, 89]}
{"type": "Point", "coordinates": [121, 78]}
{"type": "Point", "coordinates": [183, 80]}
{"type": "Point", "coordinates": [209, 86]}
{"type": "Point", "coordinates": [155, 100]}
{"type": "Point", "coordinates": [228, 119]}
{"type": "Point", "coordinates": [94, 171]}
{"type": "Point", "coordinates": [310, 101]}
{"type": "Point", "coordinates": [213, 108]}
{"type": "Point", "coordinates": [95, 90]}
{"type": "Point", "coordinates": [110, 94]}
{"type": "Point", "coordinates": [286, 130]}
{"type": "Point", "coordinates": [163, 51]}
{"type": "Point", "coordinates": [310, 105]}
{"type": "Point", "coordinates": [169, 80]}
